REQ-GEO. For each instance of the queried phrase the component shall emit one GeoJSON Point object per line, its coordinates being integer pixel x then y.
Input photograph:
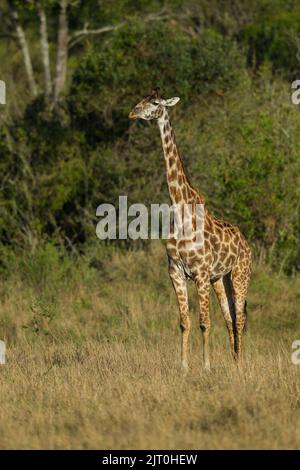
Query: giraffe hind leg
{"type": "Point", "coordinates": [240, 280]}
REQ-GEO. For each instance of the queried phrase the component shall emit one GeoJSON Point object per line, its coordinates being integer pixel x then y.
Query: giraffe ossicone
{"type": "Point", "coordinates": [222, 260]}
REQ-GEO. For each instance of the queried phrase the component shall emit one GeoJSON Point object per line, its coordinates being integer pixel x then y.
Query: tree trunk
{"type": "Point", "coordinates": [26, 54]}
{"type": "Point", "coordinates": [45, 52]}
{"type": "Point", "coordinates": [62, 51]}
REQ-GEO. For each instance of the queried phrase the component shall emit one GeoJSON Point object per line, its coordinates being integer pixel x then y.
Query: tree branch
{"type": "Point", "coordinates": [45, 51]}
{"type": "Point", "coordinates": [26, 54]}
{"type": "Point", "coordinates": [78, 36]}
{"type": "Point", "coordinates": [62, 51]}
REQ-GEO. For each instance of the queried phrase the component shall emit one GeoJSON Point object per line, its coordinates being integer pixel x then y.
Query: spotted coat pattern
{"type": "Point", "coordinates": [223, 261]}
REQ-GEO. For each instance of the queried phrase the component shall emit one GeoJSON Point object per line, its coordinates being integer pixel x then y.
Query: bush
{"type": "Point", "coordinates": [108, 82]}
{"type": "Point", "coordinates": [217, 63]}
{"type": "Point", "coordinates": [275, 40]}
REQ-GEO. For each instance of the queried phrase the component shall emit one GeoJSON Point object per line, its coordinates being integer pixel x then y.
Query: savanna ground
{"type": "Point", "coordinates": [93, 359]}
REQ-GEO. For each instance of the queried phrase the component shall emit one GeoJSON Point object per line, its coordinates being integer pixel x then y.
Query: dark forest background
{"type": "Point", "coordinates": [74, 69]}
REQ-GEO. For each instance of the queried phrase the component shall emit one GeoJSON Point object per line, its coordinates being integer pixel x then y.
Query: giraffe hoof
{"type": "Point", "coordinates": [237, 358]}
{"type": "Point", "coordinates": [184, 368]}
{"type": "Point", "coordinates": [207, 367]}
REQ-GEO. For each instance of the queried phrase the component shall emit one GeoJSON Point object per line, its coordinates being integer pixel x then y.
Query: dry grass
{"type": "Point", "coordinates": [97, 365]}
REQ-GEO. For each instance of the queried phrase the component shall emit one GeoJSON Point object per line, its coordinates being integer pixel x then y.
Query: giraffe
{"type": "Point", "coordinates": [223, 261]}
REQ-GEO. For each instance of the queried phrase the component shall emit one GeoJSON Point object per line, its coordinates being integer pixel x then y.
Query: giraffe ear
{"type": "Point", "coordinates": [172, 101]}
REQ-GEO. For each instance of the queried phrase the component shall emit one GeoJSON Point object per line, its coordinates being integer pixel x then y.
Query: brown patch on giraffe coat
{"type": "Point", "coordinates": [222, 255]}
{"type": "Point", "coordinates": [219, 234]}
{"type": "Point", "coordinates": [208, 222]}
{"type": "Point", "coordinates": [181, 245]}
{"type": "Point", "coordinates": [184, 253]}
{"type": "Point", "coordinates": [192, 253]}
{"type": "Point", "coordinates": [171, 161]}
{"type": "Point", "coordinates": [172, 252]}
{"type": "Point", "coordinates": [172, 189]}
{"type": "Point", "coordinates": [226, 237]}
{"type": "Point", "coordinates": [216, 246]}
{"type": "Point", "coordinates": [172, 176]}
{"type": "Point", "coordinates": [208, 257]}
{"type": "Point", "coordinates": [184, 193]}
{"type": "Point", "coordinates": [231, 259]}
{"type": "Point", "coordinates": [233, 248]}
{"type": "Point", "coordinates": [207, 245]}
{"type": "Point", "coordinates": [219, 267]}
{"type": "Point", "coordinates": [176, 193]}
{"type": "Point", "coordinates": [214, 240]}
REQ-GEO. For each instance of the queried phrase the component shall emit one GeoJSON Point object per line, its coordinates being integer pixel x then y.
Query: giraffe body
{"type": "Point", "coordinates": [222, 261]}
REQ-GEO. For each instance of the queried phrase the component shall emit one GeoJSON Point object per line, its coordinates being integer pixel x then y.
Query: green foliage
{"type": "Point", "coordinates": [44, 271]}
{"type": "Point", "coordinates": [217, 63]}
{"type": "Point", "coordinates": [237, 131]}
{"type": "Point", "coordinates": [275, 40]}
{"type": "Point", "coordinates": [139, 57]}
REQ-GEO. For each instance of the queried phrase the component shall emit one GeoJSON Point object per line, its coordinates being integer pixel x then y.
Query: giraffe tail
{"type": "Point", "coordinates": [230, 298]}
{"type": "Point", "coordinates": [246, 316]}
{"type": "Point", "coordinates": [232, 305]}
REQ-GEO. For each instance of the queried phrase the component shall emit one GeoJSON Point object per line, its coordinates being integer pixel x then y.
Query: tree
{"type": "Point", "coordinates": [34, 11]}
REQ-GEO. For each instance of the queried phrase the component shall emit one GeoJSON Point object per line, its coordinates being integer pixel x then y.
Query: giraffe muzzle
{"type": "Point", "coordinates": [132, 115]}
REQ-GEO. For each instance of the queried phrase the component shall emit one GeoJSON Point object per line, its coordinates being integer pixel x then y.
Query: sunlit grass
{"type": "Point", "coordinates": [98, 365]}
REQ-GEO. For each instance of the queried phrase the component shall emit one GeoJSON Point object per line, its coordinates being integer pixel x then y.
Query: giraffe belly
{"type": "Point", "coordinates": [181, 265]}
{"type": "Point", "coordinates": [220, 269]}
{"type": "Point", "coordinates": [188, 269]}
{"type": "Point", "coordinates": [191, 262]}
{"type": "Point", "coordinates": [184, 269]}
{"type": "Point", "coordinates": [215, 276]}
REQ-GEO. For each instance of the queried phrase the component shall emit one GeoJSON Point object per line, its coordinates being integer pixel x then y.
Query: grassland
{"type": "Point", "coordinates": [93, 359]}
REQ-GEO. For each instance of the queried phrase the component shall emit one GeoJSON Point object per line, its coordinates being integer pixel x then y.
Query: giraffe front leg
{"type": "Point", "coordinates": [179, 285]}
{"type": "Point", "coordinates": [203, 288]}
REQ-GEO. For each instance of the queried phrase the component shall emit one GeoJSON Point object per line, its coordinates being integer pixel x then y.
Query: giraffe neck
{"type": "Point", "coordinates": [180, 190]}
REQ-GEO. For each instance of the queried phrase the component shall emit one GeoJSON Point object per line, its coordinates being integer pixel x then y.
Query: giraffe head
{"type": "Point", "coordinates": [152, 107]}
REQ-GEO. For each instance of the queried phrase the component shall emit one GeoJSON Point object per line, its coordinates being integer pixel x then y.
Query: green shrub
{"type": "Point", "coordinates": [274, 40]}
{"type": "Point", "coordinates": [217, 63]}
{"type": "Point", "coordinates": [108, 82]}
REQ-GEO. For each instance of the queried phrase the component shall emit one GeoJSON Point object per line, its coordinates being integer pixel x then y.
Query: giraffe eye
{"type": "Point", "coordinates": [155, 102]}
